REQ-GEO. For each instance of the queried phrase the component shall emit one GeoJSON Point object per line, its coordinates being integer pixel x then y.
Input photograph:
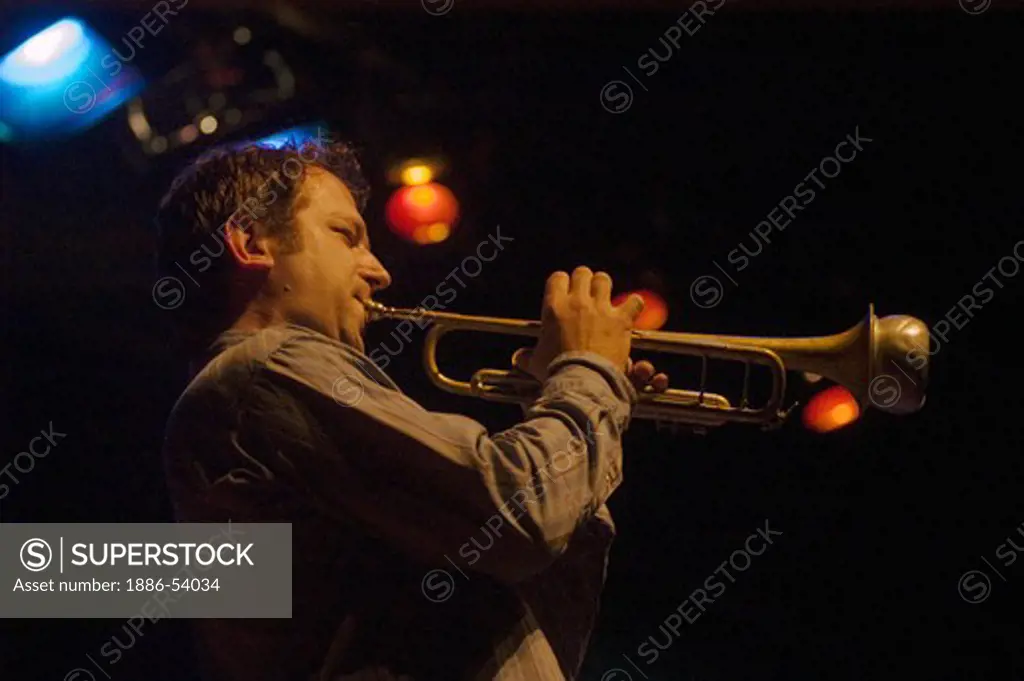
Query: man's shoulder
{"type": "Point", "coordinates": [211, 433]}
{"type": "Point", "coordinates": [325, 365]}
{"type": "Point", "coordinates": [294, 353]}
{"type": "Point", "coordinates": [243, 354]}
{"type": "Point", "coordinates": [219, 394]}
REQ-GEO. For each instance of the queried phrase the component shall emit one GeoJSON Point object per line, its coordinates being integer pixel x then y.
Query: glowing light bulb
{"type": "Point", "coordinates": [423, 214]}
{"type": "Point", "coordinates": [54, 53]}
{"type": "Point", "coordinates": [830, 410]}
{"type": "Point", "coordinates": [50, 43]}
{"type": "Point", "coordinates": [417, 174]}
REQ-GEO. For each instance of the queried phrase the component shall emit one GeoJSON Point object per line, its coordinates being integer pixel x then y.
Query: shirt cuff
{"type": "Point", "coordinates": [614, 376]}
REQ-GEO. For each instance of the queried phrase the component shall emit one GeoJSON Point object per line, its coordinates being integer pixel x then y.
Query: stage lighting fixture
{"type": "Point", "coordinates": [223, 86]}
{"type": "Point", "coordinates": [58, 82]}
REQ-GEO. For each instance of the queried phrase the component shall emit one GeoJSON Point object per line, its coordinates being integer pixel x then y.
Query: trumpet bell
{"type": "Point", "coordinates": [899, 367]}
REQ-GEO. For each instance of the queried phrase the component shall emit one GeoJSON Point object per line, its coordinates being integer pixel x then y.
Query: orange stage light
{"type": "Point", "coordinates": [830, 410]}
{"type": "Point", "coordinates": [423, 214]}
{"type": "Point", "coordinates": [417, 174]}
{"type": "Point", "coordinates": [655, 312]}
{"type": "Point", "coordinates": [416, 171]}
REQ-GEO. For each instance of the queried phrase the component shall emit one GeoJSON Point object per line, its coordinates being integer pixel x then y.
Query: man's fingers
{"type": "Point", "coordinates": [581, 280]}
{"type": "Point", "coordinates": [656, 384]}
{"type": "Point", "coordinates": [601, 287]}
{"type": "Point", "coordinates": [642, 371]}
{"type": "Point", "coordinates": [521, 358]}
{"type": "Point", "coordinates": [557, 286]}
{"type": "Point", "coordinates": [632, 306]}
{"type": "Point", "coordinates": [642, 375]}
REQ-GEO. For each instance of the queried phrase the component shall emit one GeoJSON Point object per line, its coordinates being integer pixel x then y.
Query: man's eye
{"type": "Point", "coordinates": [348, 234]}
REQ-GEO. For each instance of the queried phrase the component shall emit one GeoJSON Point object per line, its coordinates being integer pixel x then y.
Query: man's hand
{"type": "Point", "coordinates": [578, 315]}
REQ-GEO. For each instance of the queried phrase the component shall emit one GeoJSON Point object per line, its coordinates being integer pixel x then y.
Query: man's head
{"type": "Point", "coordinates": [269, 236]}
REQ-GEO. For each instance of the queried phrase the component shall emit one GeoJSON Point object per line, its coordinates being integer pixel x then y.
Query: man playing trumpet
{"type": "Point", "coordinates": [423, 547]}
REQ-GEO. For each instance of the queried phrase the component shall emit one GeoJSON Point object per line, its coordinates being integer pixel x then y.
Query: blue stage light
{"type": "Point", "coordinates": [51, 55]}
{"type": "Point", "coordinates": [300, 134]}
{"type": "Point", "coordinates": [56, 83]}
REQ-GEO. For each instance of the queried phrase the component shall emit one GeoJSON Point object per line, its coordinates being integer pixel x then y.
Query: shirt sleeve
{"type": "Point", "coordinates": [437, 485]}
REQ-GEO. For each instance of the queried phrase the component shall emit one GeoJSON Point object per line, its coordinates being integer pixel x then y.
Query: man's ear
{"type": "Point", "coordinates": [248, 250]}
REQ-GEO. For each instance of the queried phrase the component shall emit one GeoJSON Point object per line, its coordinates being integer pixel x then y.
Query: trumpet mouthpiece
{"type": "Point", "coordinates": [375, 310]}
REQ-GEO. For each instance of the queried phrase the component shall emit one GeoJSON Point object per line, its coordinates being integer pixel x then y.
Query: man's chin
{"type": "Point", "coordinates": [354, 341]}
{"type": "Point", "coordinates": [352, 327]}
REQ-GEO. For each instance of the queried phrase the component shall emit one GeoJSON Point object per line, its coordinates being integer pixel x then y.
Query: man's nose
{"type": "Point", "coordinates": [376, 275]}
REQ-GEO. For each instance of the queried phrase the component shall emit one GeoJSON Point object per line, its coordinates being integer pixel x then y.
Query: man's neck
{"type": "Point", "coordinates": [250, 321]}
{"type": "Point", "coordinates": [256, 318]}
{"type": "Point", "coordinates": [253, 320]}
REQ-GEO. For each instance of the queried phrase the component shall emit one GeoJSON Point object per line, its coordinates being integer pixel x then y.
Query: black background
{"type": "Point", "coordinates": [879, 520]}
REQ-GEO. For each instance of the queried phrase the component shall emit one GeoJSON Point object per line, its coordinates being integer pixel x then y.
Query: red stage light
{"type": "Point", "coordinates": [830, 410]}
{"type": "Point", "coordinates": [423, 214]}
{"type": "Point", "coordinates": [655, 312]}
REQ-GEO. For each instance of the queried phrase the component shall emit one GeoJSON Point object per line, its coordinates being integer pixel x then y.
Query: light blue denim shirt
{"type": "Point", "coordinates": [423, 546]}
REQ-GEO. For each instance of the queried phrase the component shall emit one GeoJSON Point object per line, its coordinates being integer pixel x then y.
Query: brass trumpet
{"type": "Point", "coordinates": [872, 360]}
